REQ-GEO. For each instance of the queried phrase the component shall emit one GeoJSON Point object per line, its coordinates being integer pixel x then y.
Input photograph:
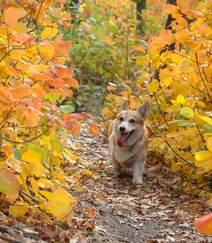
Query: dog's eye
{"type": "Point", "coordinates": [132, 120]}
{"type": "Point", "coordinates": [121, 118]}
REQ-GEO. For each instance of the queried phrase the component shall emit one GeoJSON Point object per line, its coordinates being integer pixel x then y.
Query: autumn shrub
{"type": "Point", "coordinates": [33, 81]}
{"type": "Point", "coordinates": [175, 75]}
{"type": "Point", "coordinates": [103, 37]}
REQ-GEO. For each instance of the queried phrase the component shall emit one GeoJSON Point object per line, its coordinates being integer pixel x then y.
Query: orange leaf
{"type": "Point", "coordinates": [64, 72]}
{"type": "Point", "coordinates": [169, 8]}
{"type": "Point", "coordinates": [93, 128]}
{"type": "Point", "coordinates": [73, 127]}
{"type": "Point", "coordinates": [139, 48]}
{"type": "Point", "coordinates": [204, 224]}
{"type": "Point", "coordinates": [111, 87]}
{"type": "Point", "coordinates": [74, 83]}
{"type": "Point", "coordinates": [91, 213]}
{"type": "Point", "coordinates": [12, 15]}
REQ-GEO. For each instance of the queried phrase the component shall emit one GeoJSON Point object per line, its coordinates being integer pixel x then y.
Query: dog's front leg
{"type": "Point", "coordinates": [116, 166]}
{"type": "Point", "coordinates": [138, 170]}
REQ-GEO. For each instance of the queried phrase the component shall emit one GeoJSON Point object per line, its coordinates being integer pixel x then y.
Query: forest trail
{"type": "Point", "coordinates": [153, 212]}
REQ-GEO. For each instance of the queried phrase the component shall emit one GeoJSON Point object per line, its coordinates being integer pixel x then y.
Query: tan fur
{"type": "Point", "coordinates": [134, 151]}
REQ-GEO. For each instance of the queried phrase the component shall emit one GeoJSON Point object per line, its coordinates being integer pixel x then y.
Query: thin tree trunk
{"type": "Point", "coordinates": [140, 5]}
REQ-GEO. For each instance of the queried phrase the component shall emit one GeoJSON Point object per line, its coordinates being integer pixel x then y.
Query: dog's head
{"type": "Point", "coordinates": [129, 125]}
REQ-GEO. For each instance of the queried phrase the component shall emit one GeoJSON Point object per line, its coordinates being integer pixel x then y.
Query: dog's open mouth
{"type": "Point", "coordinates": [123, 138]}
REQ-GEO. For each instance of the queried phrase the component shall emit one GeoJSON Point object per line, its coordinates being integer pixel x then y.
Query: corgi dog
{"type": "Point", "coordinates": [128, 141]}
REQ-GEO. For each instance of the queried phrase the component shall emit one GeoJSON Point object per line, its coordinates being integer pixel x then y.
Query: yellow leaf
{"type": "Point", "coordinates": [34, 185]}
{"type": "Point", "coordinates": [46, 50]}
{"type": "Point", "coordinates": [210, 201]}
{"type": "Point", "coordinates": [205, 164]}
{"type": "Point", "coordinates": [37, 169]}
{"type": "Point", "coordinates": [181, 99]}
{"type": "Point", "coordinates": [205, 119]}
{"type": "Point", "coordinates": [31, 157]}
{"type": "Point", "coordinates": [59, 203]}
{"type": "Point", "coordinates": [70, 156]}
{"type": "Point", "coordinates": [107, 113]}
{"type": "Point", "coordinates": [209, 144]}
{"type": "Point", "coordinates": [18, 210]}
{"type": "Point", "coordinates": [203, 155]}
{"type": "Point", "coordinates": [48, 32]}
{"type": "Point", "coordinates": [34, 69]}
{"type": "Point", "coordinates": [45, 183]}
{"type": "Point", "coordinates": [153, 86]}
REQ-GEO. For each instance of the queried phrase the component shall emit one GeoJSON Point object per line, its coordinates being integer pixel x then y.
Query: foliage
{"type": "Point", "coordinates": [103, 39]}
{"type": "Point", "coordinates": [177, 82]}
{"type": "Point", "coordinates": [33, 81]}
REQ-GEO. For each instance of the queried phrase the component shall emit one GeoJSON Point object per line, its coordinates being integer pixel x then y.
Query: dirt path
{"type": "Point", "coordinates": [153, 212]}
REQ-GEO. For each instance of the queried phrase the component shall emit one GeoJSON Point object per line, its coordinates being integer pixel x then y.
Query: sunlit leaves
{"type": "Point", "coordinates": [31, 157]}
{"type": "Point", "coordinates": [204, 160]}
{"type": "Point", "coordinates": [48, 32]}
{"type": "Point", "coordinates": [33, 78]}
{"type": "Point", "coordinates": [153, 86]}
{"type": "Point", "coordinates": [59, 203]}
{"type": "Point", "coordinates": [46, 50]}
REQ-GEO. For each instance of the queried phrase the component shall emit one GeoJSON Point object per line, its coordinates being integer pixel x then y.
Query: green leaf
{"type": "Point", "coordinates": [52, 98]}
{"type": "Point", "coordinates": [187, 112]}
{"type": "Point", "coordinates": [67, 108]}
{"type": "Point", "coordinates": [16, 154]}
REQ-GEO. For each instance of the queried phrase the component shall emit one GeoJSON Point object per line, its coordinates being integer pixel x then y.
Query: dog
{"type": "Point", "coordinates": [128, 141]}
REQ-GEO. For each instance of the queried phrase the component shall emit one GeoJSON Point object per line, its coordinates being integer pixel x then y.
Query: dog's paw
{"type": "Point", "coordinates": [137, 181]}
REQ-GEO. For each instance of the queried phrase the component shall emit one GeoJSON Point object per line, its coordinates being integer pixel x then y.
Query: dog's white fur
{"type": "Point", "coordinates": [130, 152]}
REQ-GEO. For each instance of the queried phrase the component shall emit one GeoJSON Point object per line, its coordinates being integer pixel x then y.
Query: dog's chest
{"type": "Point", "coordinates": [123, 155]}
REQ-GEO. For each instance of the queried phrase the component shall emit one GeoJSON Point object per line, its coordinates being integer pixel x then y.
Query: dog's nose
{"type": "Point", "coordinates": [122, 129]}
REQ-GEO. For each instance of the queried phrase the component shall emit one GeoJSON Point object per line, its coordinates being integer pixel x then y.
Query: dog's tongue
{"type": "Point", "coordinates": [122, 139]}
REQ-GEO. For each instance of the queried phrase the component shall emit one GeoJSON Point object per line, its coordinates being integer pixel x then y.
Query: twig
{"type": "Point", "coordinates": [170, 146]}
{"type": "Point", "coordinates": [6, 54]}
{"type": "Point", "coordinates": [26, 141]}
{"type": "Point", "coordinates": [4, 228]}
{"type": "Point", "coordinates": [202, 78]}
{"type": "Point", "coordinates": [176, 153]}
{"type": "Point", "coordinates": [201, 136]}
{"type": "Point", "coordinates": [160, 110]}
{"type": "Point", "coordinates": [29, 196]}
{"type": "Point", "coordinates": [36, 19]}
{"type": "Point", "coordinates": [10, 239]}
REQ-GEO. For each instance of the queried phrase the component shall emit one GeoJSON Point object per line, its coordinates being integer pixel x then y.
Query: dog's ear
{"type": "Point", "coordinates": [125, 105]}
{"type": "Point", "coordinates": [144, 110]}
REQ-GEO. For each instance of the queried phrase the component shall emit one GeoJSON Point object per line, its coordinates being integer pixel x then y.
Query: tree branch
{"type": "Point", "coordinates": [202, 78]}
